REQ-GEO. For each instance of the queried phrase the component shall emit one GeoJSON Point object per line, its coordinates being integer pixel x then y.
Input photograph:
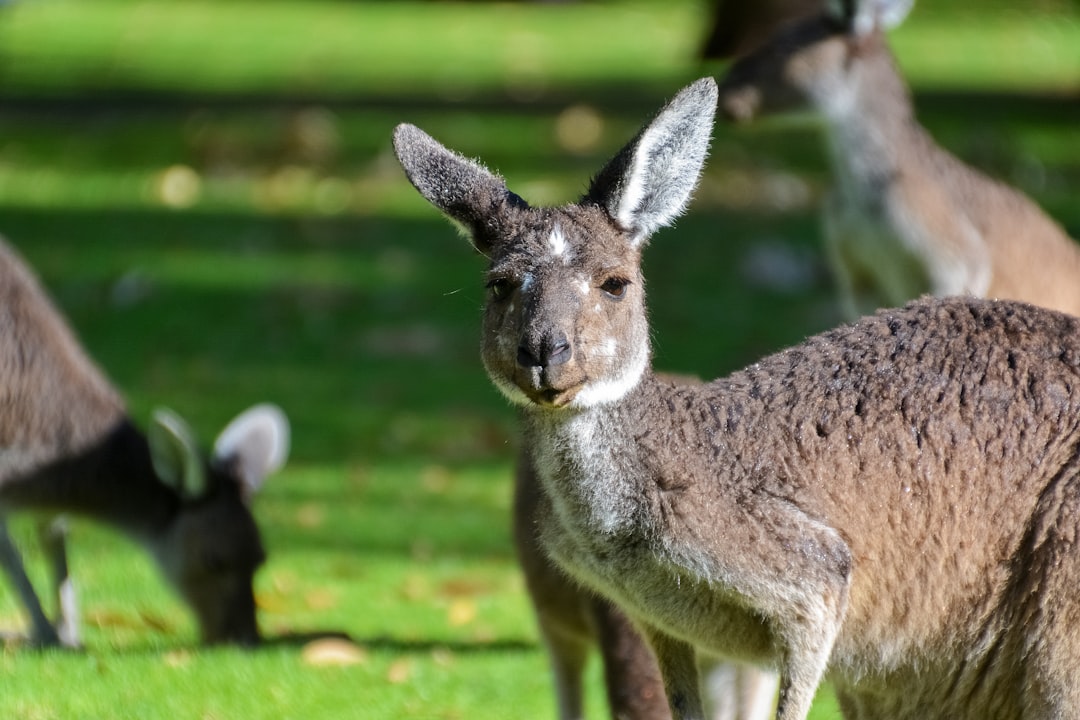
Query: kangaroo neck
{"type": "Point", "coordinates": [110, 481]}
{"type": "Point", "coordinates": [589, 460]}
{"type": "Point", "coordinates": [872, 128]}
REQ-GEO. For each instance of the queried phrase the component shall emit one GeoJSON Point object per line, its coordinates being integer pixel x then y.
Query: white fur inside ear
{"type": "Point", "coordinates": [665, 162]}
{"type": "Point", "coordinates": [175, 455]}
{"type": "Point", "coordinates": [256, 442]}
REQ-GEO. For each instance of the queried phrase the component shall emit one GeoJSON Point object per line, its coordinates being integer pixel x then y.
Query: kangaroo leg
{"type": "Point", "coordinates": [42, 631]}
{"type": "Point", "coordinates": [811, 617]}
{"type": "Point", "coordinates": [567, 653]}
{"type": "Point", "coordinates": [678, 666]}
{"type": "Point", "coordinates": [635, 689]}
{"type": "Point", "coordinates": [54, 540]}
{"type": "Point", "coordinates": [740, 692]}
{"type": "Point", "coordinates": [802, 600]}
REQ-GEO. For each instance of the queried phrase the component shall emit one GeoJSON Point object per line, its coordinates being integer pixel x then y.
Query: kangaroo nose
{"type": "Point", "coordinates": [554, 350]}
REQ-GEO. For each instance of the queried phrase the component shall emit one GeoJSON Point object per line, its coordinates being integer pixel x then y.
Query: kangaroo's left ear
{"type": "Point", "coordinates": [464, 190]}
{"type": "Point", "coordinates": [649, 182]}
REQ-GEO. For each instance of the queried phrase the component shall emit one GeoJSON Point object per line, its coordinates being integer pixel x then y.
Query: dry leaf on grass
{"type": "Point", "coordinates": [333, 652]}
{"type": "Point", "coordinates": [177, 658]}
{"type": "Point", "coordinates": [399, 671]}
{"type": "Point", "coordinates": [462, 611]}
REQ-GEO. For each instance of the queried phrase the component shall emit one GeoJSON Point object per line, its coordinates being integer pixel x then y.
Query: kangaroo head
{"type": "Point", "coordinates": [564, 322]}
{"type": "Point", "coordinates": [808, 64]}
{"type": "Point", "coordinates": [212, 549]}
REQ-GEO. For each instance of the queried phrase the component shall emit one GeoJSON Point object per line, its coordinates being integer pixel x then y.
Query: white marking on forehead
{"type": "Point", "coordinates": [584, 286]}
{"type": "Point", "coordinates": [557, 243]}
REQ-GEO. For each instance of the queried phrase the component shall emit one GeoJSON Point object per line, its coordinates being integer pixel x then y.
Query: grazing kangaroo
{"type": "Point", "coordinates": [893, 504]}
{"type": "Point", "coordinates": [905, 217]}
{"type": "Point", "coordinates": [67, 445]}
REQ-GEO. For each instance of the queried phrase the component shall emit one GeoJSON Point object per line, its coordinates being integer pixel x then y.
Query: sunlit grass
{"type": "Point", "coordinates": [452, 50]}
{"type": "Point", "coordinates": [212, 255]}
{"type": "Point", "coordinates": [397, 48]}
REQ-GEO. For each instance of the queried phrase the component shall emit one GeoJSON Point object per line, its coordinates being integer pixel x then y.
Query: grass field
{"type": "Point", "coordinates": [208, 191]}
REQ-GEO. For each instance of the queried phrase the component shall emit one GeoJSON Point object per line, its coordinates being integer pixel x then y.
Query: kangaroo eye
{"type": "Point", "coordinates": [500, 288]}
{"type": "Point", "coordinates": [615, 287]}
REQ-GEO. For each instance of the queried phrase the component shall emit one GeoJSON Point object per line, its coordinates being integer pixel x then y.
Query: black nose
{"type": "Point", "coordinates": [552, 350]}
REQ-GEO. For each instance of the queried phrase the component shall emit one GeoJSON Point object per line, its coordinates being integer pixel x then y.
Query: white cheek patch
{"type": "Point", "coordinates": [603, 392]}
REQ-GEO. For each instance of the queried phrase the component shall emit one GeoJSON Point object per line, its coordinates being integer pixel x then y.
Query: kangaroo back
{"type": "Point", "coordinates": [53, 398]}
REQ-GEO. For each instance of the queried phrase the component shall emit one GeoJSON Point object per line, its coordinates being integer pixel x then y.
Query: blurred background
{"type": "Point", "coordinates": [208, 190]}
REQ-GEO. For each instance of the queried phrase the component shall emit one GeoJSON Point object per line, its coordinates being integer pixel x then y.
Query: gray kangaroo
{"type": "Point", "coordinates": [905, 217]}
{"type": "Point", "coordinates": [69, 447]}
{"type": "Point", "coordinates": [892, 505]}
{"type": "Point", "coordinates": [573, 620]}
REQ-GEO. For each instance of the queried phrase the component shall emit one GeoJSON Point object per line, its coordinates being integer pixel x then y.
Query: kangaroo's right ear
{"type": "Point", "coordinates": [463, 189]}
{"type": "Point", "coordinates": [175, 455]}
{"type": "Point", "coordinates": [649, 182]}
{"type": "Point", "coordinates": [254, 445]}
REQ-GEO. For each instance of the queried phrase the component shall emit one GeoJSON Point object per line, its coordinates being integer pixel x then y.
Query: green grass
{"type": "Point", "coordinates": [207, 189]}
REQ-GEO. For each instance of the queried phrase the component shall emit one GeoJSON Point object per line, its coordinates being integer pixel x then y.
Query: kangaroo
{"type": "Point", "coordinates": [68, 446]}
{"type": "Point", "coordinates": [905, 217]}
{"type": "Point", "coordinates": [892, 505]}
{"type": "Point", "coordinates": [572, 620]}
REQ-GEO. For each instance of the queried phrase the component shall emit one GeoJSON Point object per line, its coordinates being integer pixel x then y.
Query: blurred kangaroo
{"type": "Point", "coordinates": [905, 217]}
{"type": "Point", "coordinates": [67, 445]}
{"type": "Point", "coordinates": [892, 505]}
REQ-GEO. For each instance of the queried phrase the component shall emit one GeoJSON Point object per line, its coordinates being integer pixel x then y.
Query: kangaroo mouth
{"type": "Point", "coordinates": [554, 397]}
{"type": "Point", "coordinates": [551, 390]}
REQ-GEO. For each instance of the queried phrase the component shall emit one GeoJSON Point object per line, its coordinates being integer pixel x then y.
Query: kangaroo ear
{"type": "Point", "coordinates": [649, 182]}
{"type": "Point", "coordinates": [463, 189]}
{"type": "Point", "coordinates": [175, 455]}
{"type": "Point", "coordinates": [254, 445]}
{"type": "Point", "coordinates": [863, 17]}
